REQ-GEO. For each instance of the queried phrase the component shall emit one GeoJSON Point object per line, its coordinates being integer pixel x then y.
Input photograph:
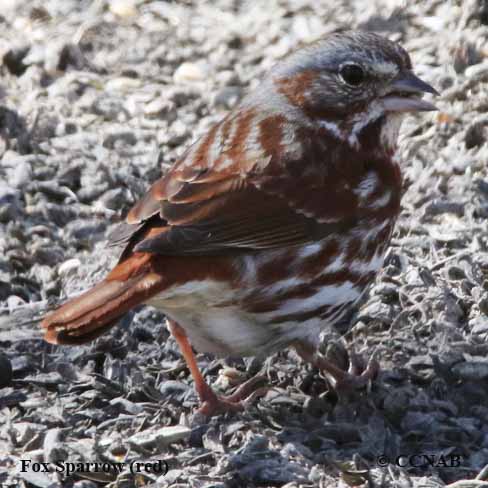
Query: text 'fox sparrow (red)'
{"type": "Point", "coordinates": [270, 227]}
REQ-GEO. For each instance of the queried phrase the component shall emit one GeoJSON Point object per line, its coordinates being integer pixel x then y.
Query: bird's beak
{"type": "Point", "coordinates": [404, 94]}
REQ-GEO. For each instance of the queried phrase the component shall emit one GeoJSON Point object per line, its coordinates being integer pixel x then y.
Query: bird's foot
{"type": "Point", "coordinates": [212, 404]}
{"type": "Point", "coordinates": [359, 374]}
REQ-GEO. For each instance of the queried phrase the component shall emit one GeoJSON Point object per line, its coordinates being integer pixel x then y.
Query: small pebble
{"type": "Point", "coordinates": [14, 302]}
{"type": "Point", "coordinates": [161, 108]}
{"type": "Point", "coordinates": [161, 437]}
{"type": "Point", "coordinates": [122, 84]}
{"type": "Point", "coordinates": [171, 388]}
{"type": "Point", "coordinates": [190, 72]}
{"type": "Point", "coordinates": [123, 8]}
{"type": "Point", "coordinates": [476, 135]}
{"type": "Point", "coordinates": [69, 267]}
{"type": "Point", "coordinates": [478, 72]}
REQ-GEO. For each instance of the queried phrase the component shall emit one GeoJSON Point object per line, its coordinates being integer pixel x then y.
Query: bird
{"type": "Point", "coordinates": [269, 229]}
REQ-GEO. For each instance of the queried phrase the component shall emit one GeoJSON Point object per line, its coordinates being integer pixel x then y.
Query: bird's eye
{"type": "Point", "coordinates": [352, 74]}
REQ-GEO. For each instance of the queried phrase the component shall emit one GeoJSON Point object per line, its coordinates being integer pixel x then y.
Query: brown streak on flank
{"type": "Point", "coordinates": [301, 316]}
{"type": "Point", "coordinates": [372, 245]}
{"type": "Point", "coordinates": [333, 309]}
{"type": "Point", "coordinates": [384, 233]}
{"type": "Point", "coordinates": [294, 87]}
{"type": "Point", "coordinates": [368, 254]}
{"type": "Point", "coordinates": [353, 249]}
{"type": "Point", "coordinates": [299, 291]}
{"type": "Point", "coordinates": [271, 135]}
{"type": "Point", "coordinates": [265, 304]}
{"type": "Point", "coordinates": [366, 279]}
{"type": "Point", "coordinates": [262, 305]}
{"type": "Point", "coordinates": [276, 269]}
{"type": "Point", "coordinates": [183, 269]}
{"type": "Point", "coordinates": [310, 266]}
{"type": "Point", "coordinates": [336, 278]}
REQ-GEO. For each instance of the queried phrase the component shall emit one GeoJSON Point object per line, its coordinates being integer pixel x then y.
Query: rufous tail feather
{"type": "Point", "coordinates": [89, 315]}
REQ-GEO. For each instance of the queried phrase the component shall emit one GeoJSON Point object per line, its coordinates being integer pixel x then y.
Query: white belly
{"type": "Point", "coordinates": [215, 325]}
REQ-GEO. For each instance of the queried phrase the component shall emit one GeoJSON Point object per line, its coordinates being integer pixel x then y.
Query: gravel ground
{"type": "Point", "coordinates": [97, 98]}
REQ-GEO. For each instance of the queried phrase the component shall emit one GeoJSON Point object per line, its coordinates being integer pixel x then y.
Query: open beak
{"type": "Point", "coordinates": [405, 92]}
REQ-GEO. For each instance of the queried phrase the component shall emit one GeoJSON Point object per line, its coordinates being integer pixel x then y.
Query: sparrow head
{"type": "Point", "coordinates": [351, 79]}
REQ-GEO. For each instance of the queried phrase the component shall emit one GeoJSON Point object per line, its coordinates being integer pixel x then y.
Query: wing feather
{"type": "Point", "coordinates": [201, 208]}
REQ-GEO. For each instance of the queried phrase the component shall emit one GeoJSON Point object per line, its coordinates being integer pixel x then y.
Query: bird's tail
{"type": "Point", "coordinates": [84, 318]}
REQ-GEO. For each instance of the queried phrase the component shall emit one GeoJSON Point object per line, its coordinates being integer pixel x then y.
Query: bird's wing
{"type": "Point", "coordinates": [233, 195]}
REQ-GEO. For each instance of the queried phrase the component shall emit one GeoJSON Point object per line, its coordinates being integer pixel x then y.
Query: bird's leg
{"type": "Point", "coordinates": [211, 403]}
{"type": "Point", "coordinates": [356, 377]}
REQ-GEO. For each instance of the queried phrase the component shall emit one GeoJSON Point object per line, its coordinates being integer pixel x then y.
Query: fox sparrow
{"type": "Point", "coordinates": [270, 227]}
